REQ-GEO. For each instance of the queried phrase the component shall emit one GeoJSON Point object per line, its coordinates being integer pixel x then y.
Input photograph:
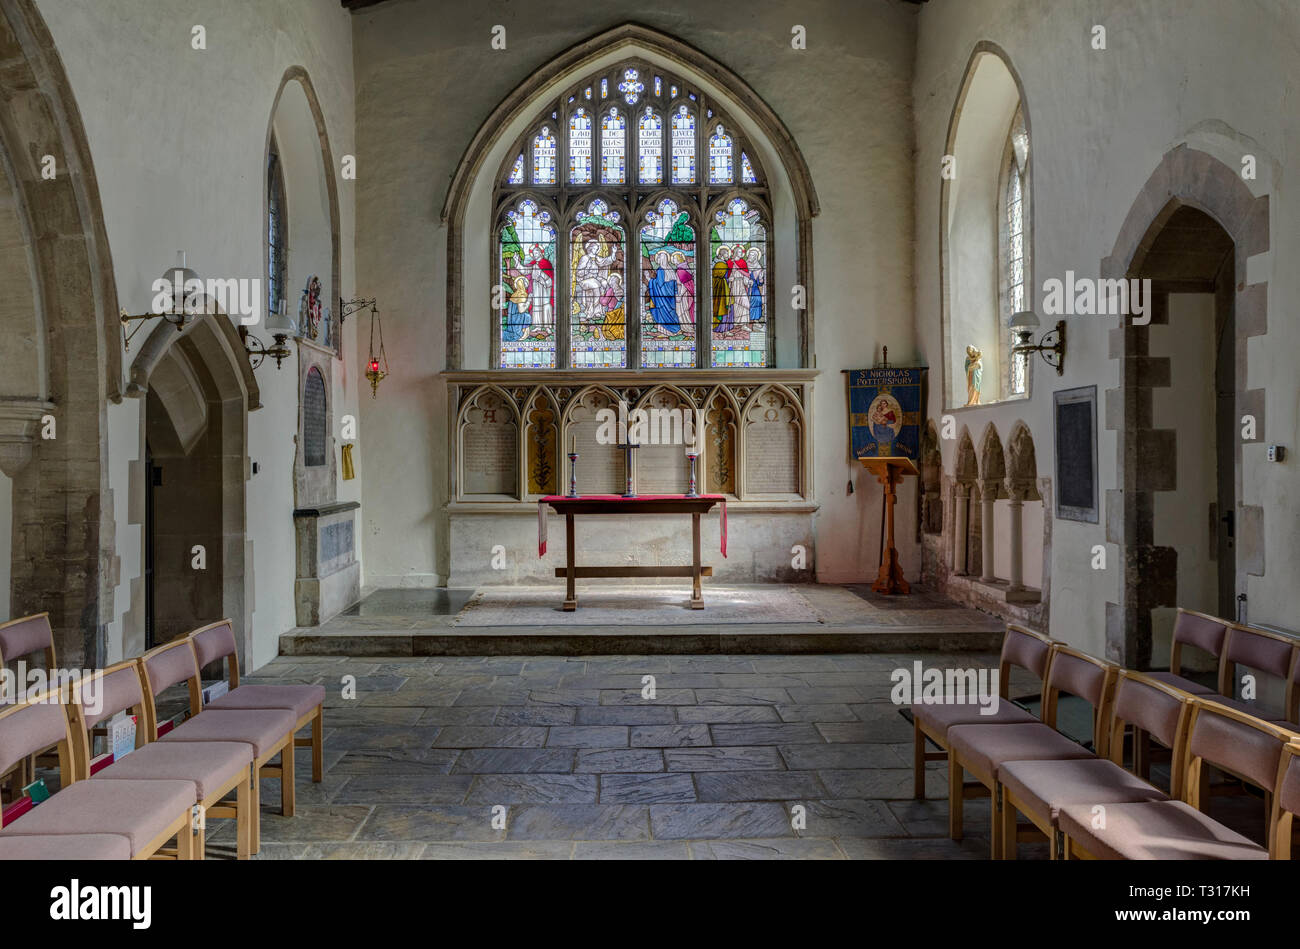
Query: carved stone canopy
{"type": "Point", "coordinates": [20, 419]}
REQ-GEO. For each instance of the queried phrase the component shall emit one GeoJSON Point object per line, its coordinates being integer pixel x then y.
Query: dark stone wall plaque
{"type": "Point", "coordinates": [315, 425]}
{"type": "Point", "coordinates": [1075, 412]}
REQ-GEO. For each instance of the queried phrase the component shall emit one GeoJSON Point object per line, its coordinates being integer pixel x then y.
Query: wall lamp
{"type": "Point", "coordinates": [281, 328]}
{"type": "Point", "coordinates": [1051, 345]}
{"type": "Point", "coordinates": [178, 299]}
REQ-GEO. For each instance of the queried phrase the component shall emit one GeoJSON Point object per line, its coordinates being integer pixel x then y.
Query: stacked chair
{"type": "Point", "coordinates": [154, 801]}
{"type": "Point", "coordinates": [1080, 796]}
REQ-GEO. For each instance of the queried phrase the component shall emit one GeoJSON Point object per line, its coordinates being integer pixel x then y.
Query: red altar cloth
{"type": "Point", "coordinates": [544, 502]}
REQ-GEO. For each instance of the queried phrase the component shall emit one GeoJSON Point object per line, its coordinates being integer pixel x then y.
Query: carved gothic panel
{"type": "Point", "coordinates": [489, 457]}
{"type": "Point", "coordinates": [773, 435]}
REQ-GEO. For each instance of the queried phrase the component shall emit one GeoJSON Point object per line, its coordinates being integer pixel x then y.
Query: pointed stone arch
{"type": "Point", "coordinates": [1146, 456]}
{"type": "Point", "coordinates": [1021, 464]}
{"type": "Point", "coordinates": [63, 524]}
{"type": "Point", "coordinates": [992, 464]}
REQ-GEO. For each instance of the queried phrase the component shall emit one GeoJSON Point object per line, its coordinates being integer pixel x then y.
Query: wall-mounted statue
{"type": "Point", "coordinates": [309, 311]}
{"type": "Point", "coordinates": [974, 375]}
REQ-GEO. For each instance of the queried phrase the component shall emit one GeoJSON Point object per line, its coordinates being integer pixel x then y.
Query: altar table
{"type": "Point", "coordinates": [616, 504]}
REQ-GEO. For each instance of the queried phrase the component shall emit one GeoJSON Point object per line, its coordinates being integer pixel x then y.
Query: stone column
{"type": "Point", "coordinates": [1017, 500]}
{"type": "Point", "coordinates": [961, 494]}
{"type": "Point", "coordinates": [988, 492]}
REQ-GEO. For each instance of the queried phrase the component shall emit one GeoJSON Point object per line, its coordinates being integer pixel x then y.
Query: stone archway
{"type": "Point", "coordinates": [198, 389]}
{"type": "Point", "coordinates": [1146, 455]}
{"type": "Point", "coordinates": [63, 511]}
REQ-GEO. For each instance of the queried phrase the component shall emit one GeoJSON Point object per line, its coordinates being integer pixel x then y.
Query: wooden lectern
{"type": "Point", "coordinates": [890, 472]}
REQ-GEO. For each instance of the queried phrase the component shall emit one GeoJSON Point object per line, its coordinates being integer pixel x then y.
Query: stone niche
{"type": "Point", "coordinates": [328, 576]}
{"type": "Point", "coordinates": [512, 431]}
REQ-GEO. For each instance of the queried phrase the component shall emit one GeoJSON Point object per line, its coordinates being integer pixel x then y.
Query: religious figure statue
{"type": "Point", "coordinates": [974, 375]}
{"type": "Point", "coordinates": [309, 311]}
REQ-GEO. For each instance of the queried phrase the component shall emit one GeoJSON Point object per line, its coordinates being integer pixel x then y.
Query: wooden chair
{"type": "Point", "coordinates": [982, 749]}
{"type": "Point", "coordinates": [1022, 648]}
{"type": "Point", "coordinates": [213, 769]}
{"type": "Point", "coordinates": [20, 638]}
{"type": "Point", "coordinates": [1205, 633]}
{"type": "Point", "coordinates": [1225, 738]}
{"type": "Point", "coordinates": [1286, 800]}
{"type": "Point", "coordinates": [269, 731]}
{"type": "Point", "coordinates": [1039, 788]}
{"type": "Point", "coordinates": [1264, 651]}
{"type": "Point", "coordinates": [90, 819]}
{"type": "Point", "coordinates": [216, 642]}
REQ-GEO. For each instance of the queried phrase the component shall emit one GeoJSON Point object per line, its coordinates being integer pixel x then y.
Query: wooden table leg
{"type": "Point", "coordinates": [570, 595]}
{"type": "Point", "coordinates": [697, 597]}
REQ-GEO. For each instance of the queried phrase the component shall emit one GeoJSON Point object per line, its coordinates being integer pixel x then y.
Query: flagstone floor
{"type": "Point", "coordinates": [582, 766]}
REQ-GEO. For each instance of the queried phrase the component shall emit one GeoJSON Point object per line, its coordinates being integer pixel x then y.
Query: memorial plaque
{"type": "Point", "coordinates": [600, 467]}
{"type": "Point", "coordinates": [490, 448]}
{"type": "Point", "coordinates": [772, 448]}
{"type": "Point", "coordinates": [315, 425]}
{"type": "Point", "coordinates": [1076, 454]}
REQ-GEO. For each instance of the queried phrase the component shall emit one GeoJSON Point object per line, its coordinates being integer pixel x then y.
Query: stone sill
{"type": "Point", "coordinates": [997, 589]}
{"type": "Point", "coordinates": [530, 507]}
{"type": "Point", "coordinates": [691, 376]}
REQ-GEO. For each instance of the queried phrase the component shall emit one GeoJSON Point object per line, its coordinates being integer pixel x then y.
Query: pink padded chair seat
{"type": "Point", "coordinates": [300, 699]}
{"type": "Point", "coordinates": [261, 728]}
{"type": "Point", "coordinates": [940, 718]}
{"type": "Point", "coordinates": [1164, 830]}
{"type": "Point", "coordinates": [983, 748]}
{"type": "Point", "coordinates": [66, 847]}
{"type": "Point", "coordinates": [208, 765]}
{"type": "Point", "coordinates": [137, 810]}
{"type": "Point", "coordinates": [1044, 786]}
{"type": "Point", "coordinates": [1178, 682]}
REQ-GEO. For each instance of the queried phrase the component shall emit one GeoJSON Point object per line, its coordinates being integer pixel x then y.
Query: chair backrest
{"type": "Point", "coordinates": [1084, 676]}
{"type": "Point", "coordinates": [215, 642]}
{"type": "Point", "coordinates": [1156, 709]}
{"type": "Point", "coordinates": [24, 636]}
{"type": "Point", "coordinates": [1286, 800]}
{"type": "Point", "coordinates": [1024, 648]}
{"type": "Point", "coordinates": [160, 669]}
{"type": "Point", "coordinates": [1261, 649]}
{"type": "Point", "coordinates": [32, 726]}
{"type": "Point", "coordinates": [1232, 741]}
{"type": "Point", "coordinates": [1201, 630]}
{"type": "Point", "coordinates": [116, 689]}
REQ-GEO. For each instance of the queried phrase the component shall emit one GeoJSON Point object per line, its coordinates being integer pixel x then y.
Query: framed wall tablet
{"type": "Point", "coordinates": [1075, 416]}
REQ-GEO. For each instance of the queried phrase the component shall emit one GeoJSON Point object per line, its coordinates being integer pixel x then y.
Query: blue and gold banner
{"type": "Point", "coordinates": [885, 412]}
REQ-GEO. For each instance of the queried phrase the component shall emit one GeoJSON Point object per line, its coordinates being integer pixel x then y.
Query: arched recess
{"type": "Point", "coordinates": [989, 100]}
{"type": "Point", "coordinates": [195, 384]}
{"type": "Point", "coordinates": [931, 481]}
{"type": "Point", "coordinates": [600, 465]}
{"type": "Point", "coordinates": [661, 468]}
{"type": "Point", "coordinates": [472, 183]}
{"type": "Point", "coordinates": [298, 75]}
{"type": "Point", "coordinates": [1146, 455]}
{"type": "Point", "coordinates": [965, 534]}
{"type": "Point", "coordinates": [63, 519]}
{"type": "Point", "coordinates": [492, 416]}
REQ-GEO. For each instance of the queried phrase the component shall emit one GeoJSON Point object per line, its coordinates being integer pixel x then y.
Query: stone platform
{"type": "Point", "coordinates": [849, 619]}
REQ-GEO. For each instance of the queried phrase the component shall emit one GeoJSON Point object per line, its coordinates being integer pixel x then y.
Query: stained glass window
{"type": "Point", "coordinates": [544, 157]}
{"type": "Point", "coordinates": [613, 148]}
{"type": "Point", "coordinates": [651, 147]}
{"type": "Point", "coordinates": [631, 87]}
{"type": "Point", "coordinates": [580, 148]}
{"type": "Point", "coordinates": [673, 287]}
{"type": "Point", "coordinates": [1015, 273]}
{"type": "Point", "coordinates": [720, 163]}
{"type": "Point", "coordinates": [683, 146]}
{"type": "Point", "coordinates": [525, 294]}
{"type": "Point", "coordinates": [668, 296]}
{"type": "Point", "coordinates": [738, 298]}
{"type": "Point", "coordinates": [598, 289]}
{"type": "Point", "coordinates": [276, 244]}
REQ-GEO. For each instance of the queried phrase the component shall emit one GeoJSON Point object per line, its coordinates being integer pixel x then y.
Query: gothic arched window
{"type": "Point", "coordinates": [1013, 245]}
{"type": "Point", "coordinates": [276, 229]}
{"type": "Point", "coordinates": [665, 215]}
